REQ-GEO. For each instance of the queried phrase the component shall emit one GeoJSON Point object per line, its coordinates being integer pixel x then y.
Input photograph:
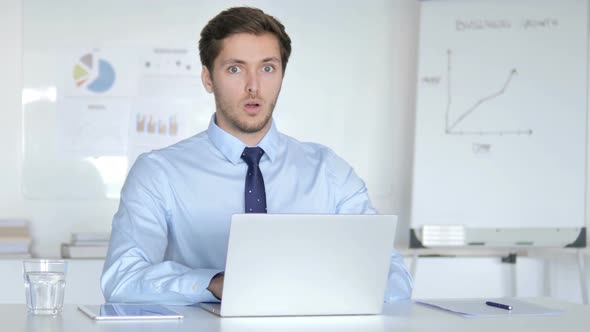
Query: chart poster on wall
{"type": "Point", "coordinates": [172, 104]}
{"type": "Point", "coordinates": [97, 87]}
{"type": "Point", "coordinates": [157, 122]}
{"type": "Point", "coordinates": [110, 104]}
{"type": "Point", "coordinates": [104, 72]}
{"type": "Point", "coordinates": [112, 98]}
{"type": "Point", "coordinates": [501, 114]}
{"type": "Point", "coordinates": [95, 127]}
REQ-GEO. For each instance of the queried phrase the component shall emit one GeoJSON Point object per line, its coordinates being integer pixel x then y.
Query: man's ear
{"type": "Point", "coordinates": [206, 79]}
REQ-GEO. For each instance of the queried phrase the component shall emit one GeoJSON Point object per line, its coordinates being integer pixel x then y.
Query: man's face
{"type": "Point", "coordinates": [246, 80]}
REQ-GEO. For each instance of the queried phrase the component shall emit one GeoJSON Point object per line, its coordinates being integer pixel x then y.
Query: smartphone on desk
{"type": "Point", "coordinates": [128, 311]}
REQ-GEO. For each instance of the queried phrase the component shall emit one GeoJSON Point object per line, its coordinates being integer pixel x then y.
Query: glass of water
{"type": "Point", "coordinates": [45, 282]}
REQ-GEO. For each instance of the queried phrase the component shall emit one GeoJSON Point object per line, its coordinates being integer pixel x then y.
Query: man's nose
{"type": "Point", "coordinates": [252, 85]}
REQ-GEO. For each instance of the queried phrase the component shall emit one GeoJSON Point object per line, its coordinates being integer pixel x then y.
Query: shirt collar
{"type": "Point", "coordinates": [232, 148]}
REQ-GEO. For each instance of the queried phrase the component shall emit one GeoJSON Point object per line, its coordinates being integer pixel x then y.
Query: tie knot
{"type": "Point", "coordinates": [252, 155]}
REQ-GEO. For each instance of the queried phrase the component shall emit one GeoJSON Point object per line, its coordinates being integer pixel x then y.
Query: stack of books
{"type": "Point", "coordinates": [15, 238]}
{"type": "Point", "coordinates": [86, 245]}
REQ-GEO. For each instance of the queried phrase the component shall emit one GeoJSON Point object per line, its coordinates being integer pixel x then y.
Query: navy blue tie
{"type": "Point", "coordinates": [254, 193]}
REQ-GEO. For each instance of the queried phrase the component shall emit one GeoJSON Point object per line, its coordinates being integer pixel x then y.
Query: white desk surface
{"type": "Point", "coordinates": [402, 316]}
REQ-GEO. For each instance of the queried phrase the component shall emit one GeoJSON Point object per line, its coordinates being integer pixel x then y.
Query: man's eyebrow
{"type": "Point", "coordinates": [271, 59]}
{"type": "Point", "coordinates": [242, 62]}
{"type": "Point", "coordinates": [228, 61]}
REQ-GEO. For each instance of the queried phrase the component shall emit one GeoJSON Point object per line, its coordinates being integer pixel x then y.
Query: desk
{"type": "Point", "coordinates": [547, 254]}
{"type": "Point", "coordinates": [403, 316]}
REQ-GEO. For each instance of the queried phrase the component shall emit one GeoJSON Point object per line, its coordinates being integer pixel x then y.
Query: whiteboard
{"type": "Point", "coordinates": [335, 92]}
{"type": "Point", "coordinates": [500, 138]}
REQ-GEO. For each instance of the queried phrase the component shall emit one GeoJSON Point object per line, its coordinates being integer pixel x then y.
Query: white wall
{"type": "Point", "coordinates": [364, 98]}
{"type": "Point", "coordinates": [11, 201]}
{"type": "Point", "coordinates": [52, 221]}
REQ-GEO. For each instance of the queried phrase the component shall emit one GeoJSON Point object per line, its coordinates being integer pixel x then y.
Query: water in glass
{"type": "Point", "coordinates": [45, 292]}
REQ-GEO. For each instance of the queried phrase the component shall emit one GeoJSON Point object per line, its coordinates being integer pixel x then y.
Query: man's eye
{"type": "Point", "coordinates": [268, 69]}
{"type": "Point", "coordinates": [234, 69]}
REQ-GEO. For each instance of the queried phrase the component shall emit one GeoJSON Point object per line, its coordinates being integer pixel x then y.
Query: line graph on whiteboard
{"type": "Point", "coordinates": [453, 123]}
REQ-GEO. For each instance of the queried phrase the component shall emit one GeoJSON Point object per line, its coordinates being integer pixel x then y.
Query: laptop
{"type": "Point", "coordinates": [304, 264]}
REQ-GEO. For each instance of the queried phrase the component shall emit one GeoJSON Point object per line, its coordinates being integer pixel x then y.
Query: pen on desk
{"type": "Point", "coordinates": [499, 305]}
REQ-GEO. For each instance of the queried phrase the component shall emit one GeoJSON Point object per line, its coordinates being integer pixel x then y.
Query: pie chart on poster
{"type": "Point", "coordinates": [95, 74]}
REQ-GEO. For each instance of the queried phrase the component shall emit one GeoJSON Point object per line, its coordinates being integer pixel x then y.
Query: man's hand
{"type": "Point", "coordinates": [216, 285]}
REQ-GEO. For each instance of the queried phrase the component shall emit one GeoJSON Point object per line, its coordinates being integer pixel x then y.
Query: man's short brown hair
{"type": "Point", "coordinates": [240, 20]}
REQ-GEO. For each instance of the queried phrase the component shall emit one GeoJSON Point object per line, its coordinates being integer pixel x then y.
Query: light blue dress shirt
{"type": "Point", "coordinates": [170, 234]}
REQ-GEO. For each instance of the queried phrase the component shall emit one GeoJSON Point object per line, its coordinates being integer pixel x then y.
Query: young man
{"type": "Point", "coordinates": [169, 236]}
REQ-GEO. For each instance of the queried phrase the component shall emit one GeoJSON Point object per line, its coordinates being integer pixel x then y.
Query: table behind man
{"type": "Point", "coordinates": [169, 236]}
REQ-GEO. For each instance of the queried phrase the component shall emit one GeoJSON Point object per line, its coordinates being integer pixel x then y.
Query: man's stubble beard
{"type": "Point", "coordinates": [243, 126]}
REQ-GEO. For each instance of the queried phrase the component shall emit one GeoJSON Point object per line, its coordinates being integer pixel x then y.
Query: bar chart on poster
{"type": "Point", "coordinates": [500, 142]}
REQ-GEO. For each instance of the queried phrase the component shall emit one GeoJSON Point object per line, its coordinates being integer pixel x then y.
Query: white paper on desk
{"type": "Point", "coordinates": [478, 308]}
